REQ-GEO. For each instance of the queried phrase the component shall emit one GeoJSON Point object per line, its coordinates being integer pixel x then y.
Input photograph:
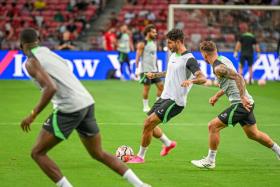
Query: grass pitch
{"type": "Point", "coordinates": [240, 161]}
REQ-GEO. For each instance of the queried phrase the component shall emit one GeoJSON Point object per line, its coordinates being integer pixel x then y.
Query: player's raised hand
{"type": "Point", "coordinates": [246, 103]}
{"type": "Point", "coordinates": [186, 83]}
{"type": "Point", "coordinates": [150, 75]}
{"type": "Point", "coordinates": [26, 122]}
{"type": "Point", "coordinates": [213, 100]}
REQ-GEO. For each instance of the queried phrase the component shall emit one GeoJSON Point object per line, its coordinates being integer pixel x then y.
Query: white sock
{"type": "Point", "coordinates": [146, 102]}
{"type": "Point", "coordinates": [165, 140]}
{"type": "Point", "coordinates": [276, 148]}
{"type": "Point", "coordinates": [63, 182]}
{"type": "Point", "coordinates": [212, 155]}
{"type": "Point", "coordinates": [130, 176]}
{"type": "Point", "coordinates": [142, 152]}
{"type": "Point", "coordinates": [157, 98]}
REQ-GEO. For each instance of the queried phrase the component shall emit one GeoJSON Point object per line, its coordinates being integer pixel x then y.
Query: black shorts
{"type": "Point", "coordinates": [146, 81]}
{"type": "Point", "coordinates": [165, 109]}
{"type": "Point", "coordinates": [123, 57]}
{"type": "Point", "coordinates": [236, 113]}
{"type": "Point", "coordinates": [62, 124]}
{"type": "Point", "coordinates": [248, 58]}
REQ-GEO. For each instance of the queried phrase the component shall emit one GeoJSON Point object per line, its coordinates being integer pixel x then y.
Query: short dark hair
{"type": "Point", "coordinates": [28, 35]}
{"type": "Point", "coordinates": [207, 46]}
{"type": "Point", "coordinates": [175, 34]}
{"type": "Point", "coordinates": [148, 28]}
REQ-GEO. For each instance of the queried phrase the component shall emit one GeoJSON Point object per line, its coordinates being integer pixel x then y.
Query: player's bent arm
{"type": "Point", "coordinates": [151, 75]}
{"type": "Point", "coordinates": [219, 94]}
{"type": "Point", "coordinates": [160, 74]}
{"type": "Point", "coordinates": [199, 78]}
{"type": "Point", "coordinates": [47, 84]}
{"type": "Point", "coordinates": [140, 48]}
{"type": "Point", "coordinates": [223, 71]}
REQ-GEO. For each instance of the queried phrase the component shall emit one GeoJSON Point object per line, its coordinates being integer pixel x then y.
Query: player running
{"type": "Point", "coordinates": [73, 109]}
{"type": "Point", "coordinates": [182, 71]}
{"type": "Point", "coordinates": [148, 51]}
{"type": "Point", "coordinates": [241, 110]}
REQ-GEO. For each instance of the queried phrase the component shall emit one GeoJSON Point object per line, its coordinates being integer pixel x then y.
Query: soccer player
{"type": "Point", "coordinates": [241, 110]}
{"type": "Point", "coordinates": [125, 45]}
{"type": "Point", "coordinates": [73, 109]}
{"type": "Point", "coordinates": [246, 44]}
{"type": "Point", "coordinates": [148, 51]}
{"type": "Point", "coordinates": [182, 72]}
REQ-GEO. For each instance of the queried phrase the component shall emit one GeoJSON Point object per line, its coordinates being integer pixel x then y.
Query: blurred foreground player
{"type": "Point", "coordinates": [73, 109]}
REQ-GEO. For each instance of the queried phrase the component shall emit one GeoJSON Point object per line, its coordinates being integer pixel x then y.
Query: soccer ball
{"type": "Point", "coordinates": [124, 153]}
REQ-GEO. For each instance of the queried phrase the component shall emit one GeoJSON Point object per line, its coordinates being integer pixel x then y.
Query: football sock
{"type": "Point", "coordinates": [142, 152]}
{"type": "Point", "coordinates": [63, 182]}
{"type": "Point", "coordinates": [146, 102]}
{"type": "Point", "coordinates": [276, 148]}
{"type": "Point", "coordinates": [212, 155]}
{"type": "Point", "coordinates": [130, 176]}
{"type": "Point", "coordinates": [165, 140]}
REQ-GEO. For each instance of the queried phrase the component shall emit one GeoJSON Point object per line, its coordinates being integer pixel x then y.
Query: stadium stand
{"type": "Point", "coordinates": [52, 18]}
{"type": "Point", "coordinates": [65, 21]}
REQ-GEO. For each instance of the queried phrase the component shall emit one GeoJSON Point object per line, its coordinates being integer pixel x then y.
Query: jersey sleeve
{"type": "Point", "coordinates": [215, 64]}
{"type": "Point", "coordinates": [192, 65]}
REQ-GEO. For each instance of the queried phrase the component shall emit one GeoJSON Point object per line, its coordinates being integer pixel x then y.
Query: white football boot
{"type": "Point", "coordinates": [204, 163]}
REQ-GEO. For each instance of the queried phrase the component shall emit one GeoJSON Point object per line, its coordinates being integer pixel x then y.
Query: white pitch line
{"type": "Point", "coordinates": [133, 124]}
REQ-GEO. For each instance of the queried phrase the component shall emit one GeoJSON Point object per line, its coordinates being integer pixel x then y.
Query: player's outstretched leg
{"type": "Point", "coordinates": [209, 162]}
{"type": "Point", "coordinates": [93, 146]}
{"type": "Point", "coordinates": [254, 133]}
{"type": "Point", "coordinates": [149, 125]}
{"type": "Point", "coordinates": [45, 142]}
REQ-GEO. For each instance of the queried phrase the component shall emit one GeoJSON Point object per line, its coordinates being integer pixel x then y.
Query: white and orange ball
{"type": "Point", "coordinates": [124, 153]}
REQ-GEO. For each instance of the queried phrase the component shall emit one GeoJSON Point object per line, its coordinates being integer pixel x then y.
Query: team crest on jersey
{"type": "Point", "coordinates": [224, 115]}
{"type": "Point", "coordinates": [161, 111]}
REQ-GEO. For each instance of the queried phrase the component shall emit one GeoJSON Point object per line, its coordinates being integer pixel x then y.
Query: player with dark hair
{"type": "Point", "coordinates": [241, 110]}
{"type": "Point", "coordinates": [73, 109]}
{"type": "Point", "coordinates": [245, 44]}
{"type": "Point", "coordinates": [182, 72]}
{"type": "Point", "coordinates": [147, 50]}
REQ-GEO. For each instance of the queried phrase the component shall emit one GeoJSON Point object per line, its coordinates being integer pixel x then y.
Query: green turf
{"type": "Point", "coordinates": [240, 162]}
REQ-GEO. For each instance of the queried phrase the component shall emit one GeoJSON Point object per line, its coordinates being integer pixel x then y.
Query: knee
{"type": "Point", "coordinates": [252, 135]}
{"type": "Point", "coordinates": [98, 155]}
{"type": "Point", "coordinates": [212, 127]}
{"type": "Point", "coordinates": [36, 153]}
{"type": "Point", "coordinates": [148, 125]}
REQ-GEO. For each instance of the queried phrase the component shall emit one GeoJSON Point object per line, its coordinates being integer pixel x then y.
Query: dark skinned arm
{"type": "Point", "coordinates": [48, 86]}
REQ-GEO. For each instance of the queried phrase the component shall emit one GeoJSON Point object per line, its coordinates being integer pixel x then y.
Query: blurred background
{"type": "Point", "coordinates": [94, 25]}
